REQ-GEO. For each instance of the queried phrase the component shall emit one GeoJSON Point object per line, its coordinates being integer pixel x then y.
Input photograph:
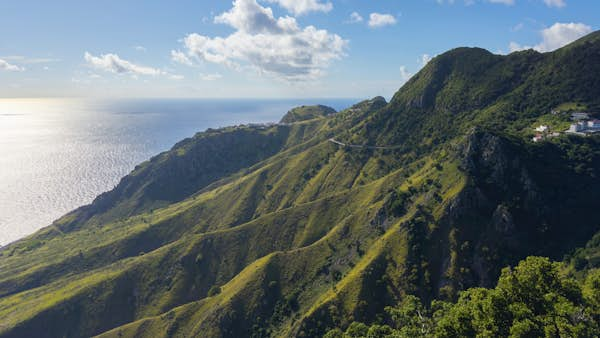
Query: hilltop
{"type": "Point", "coordinates": [277, 231]}
{"type": "Point", "coordinates": [304, 113]}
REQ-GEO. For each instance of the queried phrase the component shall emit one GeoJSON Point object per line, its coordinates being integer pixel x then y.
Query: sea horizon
{"type": "Point", "coordinates": [57, 154]}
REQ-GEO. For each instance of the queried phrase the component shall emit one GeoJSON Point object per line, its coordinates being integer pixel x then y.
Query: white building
{"type": "Point", "coordinates": [537, 138]}
{"type": "Point", "coordinates": [585, 127]}
{"type": "Point", "coordinates": [594, 124]}
{"type": "Point", "coordinates": [577, 127]}
{"type": "Point", "coordinates": [580, 116]}
{"type": "Point", "coordinates": [542, 129]}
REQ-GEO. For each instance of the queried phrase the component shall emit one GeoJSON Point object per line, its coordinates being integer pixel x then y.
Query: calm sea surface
{"type": "Point", "coordinates": [56, 154]}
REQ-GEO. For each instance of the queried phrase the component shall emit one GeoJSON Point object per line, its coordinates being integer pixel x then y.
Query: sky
{"type": "Point", "coordinates": [260, 48]}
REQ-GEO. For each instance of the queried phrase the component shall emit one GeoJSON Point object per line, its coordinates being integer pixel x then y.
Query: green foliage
{"type": "Point", "coordinates": [532, 300]}
{"type": "Point", "coordinates": [304, 113]}
{"type": "Point", "coordinates": [588, 257]}
{"type": "Point", "coordinates": [213, 291]}
{"type": "Point", "coordinates": [275, 231]}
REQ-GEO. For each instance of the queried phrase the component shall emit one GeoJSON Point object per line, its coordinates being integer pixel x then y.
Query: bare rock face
{"type": "Point", "coordinates": [513, 205]}
{"type": "Point", "coordinates": [485, 221]}
{"type": "Point", "coordinates": [502, 220]}
{"type": "Point", "coordinates": [486, 154]}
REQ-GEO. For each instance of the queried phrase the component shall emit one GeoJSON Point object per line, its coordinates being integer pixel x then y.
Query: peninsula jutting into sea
{"type": "Point", "coordinates": [461, 203]}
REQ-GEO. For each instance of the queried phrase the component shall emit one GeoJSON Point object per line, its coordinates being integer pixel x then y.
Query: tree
{"type": "Point", "coordinates": [535, 299]}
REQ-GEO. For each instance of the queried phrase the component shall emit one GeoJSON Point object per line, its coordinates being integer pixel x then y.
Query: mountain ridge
{"type": "Point", "coordinates": [275, 231]}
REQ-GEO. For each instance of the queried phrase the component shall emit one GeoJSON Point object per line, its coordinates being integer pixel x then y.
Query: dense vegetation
{"type": "Point", "coordinates": [305, 113]}
{"type": "Point", "coordinates": [532, 300]}
{"type": "Point", "coordinates": [276, 231]}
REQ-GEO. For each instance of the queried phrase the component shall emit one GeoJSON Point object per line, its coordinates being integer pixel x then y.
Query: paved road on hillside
{"type": "Point", "coordinates": [334, 141]}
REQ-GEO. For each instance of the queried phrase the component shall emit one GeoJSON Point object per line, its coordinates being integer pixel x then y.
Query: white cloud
{"type": "Point", "coordinates": [250, 17]}
{"type": "Point", "coordinates": [561, 34]}
{"type": "Point", "coordinates": [140, 48]}
{"type": "Point", "coordinates": [515, 47]}
{"type": "Point", "coordinates": [276, 47]}
{"type": "Point", "coordinates": [556, 36]}
{"type": "Point", "coordinates": [180, 57]}
{"type": "Point", "coordinates": [4, 65]}
{"type": "Point", "coordinates": [425, 58]}
{"type": "Point", "coordinates": [555, 3]}
{"type": "Point", "coordinates": [299, 7]}
{"type": "Point", "coordinates": [27, 60]}
{"type": "Point", "coordinates": [380, 20]}
{"type": "Point", "coordinates": [114, 64]}
{"type": "Point", "coordinates": [210, 77]}
{"type": "Point", "coordinates": [405, 75]}
{"type": "Point", "coordinates": [356, 18]}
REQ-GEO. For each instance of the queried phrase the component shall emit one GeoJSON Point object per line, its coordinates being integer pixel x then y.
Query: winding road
{"type": "Point", "coordinates": [334, 141]}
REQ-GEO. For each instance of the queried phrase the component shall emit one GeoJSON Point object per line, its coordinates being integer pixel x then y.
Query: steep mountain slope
{"type": "Point", "coordinates": [277, 231]}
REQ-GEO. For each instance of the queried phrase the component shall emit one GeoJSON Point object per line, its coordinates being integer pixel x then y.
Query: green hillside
{"type": "Point", "coordinates": [305, 113]}
{"type": "Point", "coordinates": [276, 231]}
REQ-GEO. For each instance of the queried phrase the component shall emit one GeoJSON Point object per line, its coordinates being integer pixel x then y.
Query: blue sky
{"type": "Point", "coordinates": [259, 48]}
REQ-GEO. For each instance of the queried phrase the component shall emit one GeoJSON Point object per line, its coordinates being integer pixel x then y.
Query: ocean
{"type": "Point", "coordinates": [59, 154]}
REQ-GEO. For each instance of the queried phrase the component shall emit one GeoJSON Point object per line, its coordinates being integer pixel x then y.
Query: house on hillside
{"type": "Point", "coordinates": [537, 138]}
{"type": "Point", "coordinates": [543, 132]}
{"type": "Point", "coordinates": [579, 116]}
{"type": "Point", "coordinates": [577, 128]}
{"type": "Point", "coordinates": [584, 127]}
{"type": "Point", "coordinates": [594, 124]}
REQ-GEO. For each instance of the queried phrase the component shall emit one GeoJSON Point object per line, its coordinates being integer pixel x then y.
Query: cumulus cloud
{"type": "Point", "coordinates": [4, 65]}
{"type": "Point", "coordinates": [114, 64]}
{"type": "Point", "coordinates": [180, 57]}
{"type": "Point", "coordinates": [272, 46]}
{"type": "Point", "coordinates": [356, 18]}
{"type": "Point", "coordinates": [555, 3]}
{"type": "Point", "coordinates": [380, 20]}
{"type": "Point", "coordinates": [561, 34]}
{"type": "Point", "coordinates": [299, 7]}
{"type": "Point", "coordinates": [556, 36]}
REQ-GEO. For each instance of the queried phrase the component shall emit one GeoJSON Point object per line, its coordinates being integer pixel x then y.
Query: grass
{"type": "Point", "coordinates": [571, 106]}
{"type": "Point", "coordinates": [300, 235]}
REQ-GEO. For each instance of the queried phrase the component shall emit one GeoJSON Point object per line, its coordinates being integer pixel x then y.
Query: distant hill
{"type": "Point", "coordinates": [261, 231]}
{"type": "Point", "coordinates": [304, 113]}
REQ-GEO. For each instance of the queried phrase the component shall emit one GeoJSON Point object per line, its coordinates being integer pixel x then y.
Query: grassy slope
{"type": "Point", "coordinates": [25, 264]}
{"type": "Point", "coordinates": [332, 268]}
{"type": "Point", "coordinates": [306, 235]}
{"type": "Point", "coordinates": [305, 113]}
